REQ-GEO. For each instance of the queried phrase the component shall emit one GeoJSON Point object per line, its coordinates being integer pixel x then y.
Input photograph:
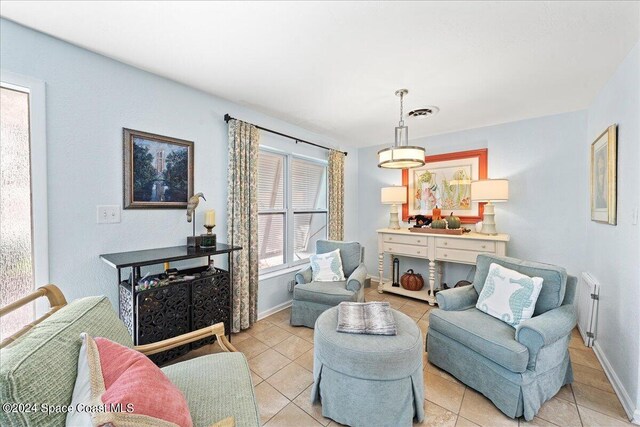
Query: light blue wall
{"type": "Point", "coordinates": [89, 99]}
{"type": "Point", "coordinates": [613, 253]}
{"type": "Point", "coordinates": [545, 214]}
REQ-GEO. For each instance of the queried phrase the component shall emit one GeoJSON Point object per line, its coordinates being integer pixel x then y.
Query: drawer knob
{"type": "Point", "coordinates": [445, 243]}
{"type": "Point", "coordinates": [390, 238]}
{"type": "Point", "coordinates": [484, 246]}
{"type": "Point", "coordinates": [445, 255]}
{"type": "Point", "coordinates": [390, 249]}
{"type": "Point", "coordinates": [417, 252]}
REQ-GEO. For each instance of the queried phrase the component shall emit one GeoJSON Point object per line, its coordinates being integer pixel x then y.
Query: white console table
{"type": "Point", "coordinates": [435, 248]}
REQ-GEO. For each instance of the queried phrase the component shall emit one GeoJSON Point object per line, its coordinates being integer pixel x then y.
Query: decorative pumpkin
{"type": "Point", "coordinates": [412, 281]}
{"type": "Point", "coordinates": [453, 221]}
{"type": "Point", "coordinates": [435, 213]}
{"type": "Point", "coordinates": [439, 223]}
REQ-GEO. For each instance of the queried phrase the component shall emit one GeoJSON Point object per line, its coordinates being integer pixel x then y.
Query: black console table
{"type": "Point", "coordinates": [178, 306]}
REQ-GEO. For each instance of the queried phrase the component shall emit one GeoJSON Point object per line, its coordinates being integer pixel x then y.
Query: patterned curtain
{"type": "Point", "coordinates": [242, 221]}
{"type": "Point", "coordinates": [336, 195]}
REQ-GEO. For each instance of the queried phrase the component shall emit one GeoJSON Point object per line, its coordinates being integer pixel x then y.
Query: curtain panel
{"type": "Point", "coordinates": [336, 195]}
{"type": "Point", "coordinates": [242, 221]}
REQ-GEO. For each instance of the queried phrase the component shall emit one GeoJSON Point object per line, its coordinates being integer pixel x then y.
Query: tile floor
{"type": "Point", "coordinates": [281, 360]}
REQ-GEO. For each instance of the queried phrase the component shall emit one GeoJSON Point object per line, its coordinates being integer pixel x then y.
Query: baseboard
{"type": "Point", "coordinates": [274, 310]}
{"type": "Point", "coordinates": [633, 413]}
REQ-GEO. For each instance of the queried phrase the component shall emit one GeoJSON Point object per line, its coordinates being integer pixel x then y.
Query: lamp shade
{"type": "Point", "coordinates": [393, 195]}
{"type": "Point", "coordinates": [402, 157]}
{"type": "Point", "coordinates": [490, 190]}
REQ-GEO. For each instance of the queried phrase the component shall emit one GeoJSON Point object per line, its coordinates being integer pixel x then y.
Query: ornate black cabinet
{"type": "Point", "coordinates": [178, 307]}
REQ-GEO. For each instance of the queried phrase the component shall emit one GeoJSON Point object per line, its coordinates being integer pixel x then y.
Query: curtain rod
{"type": "Point", "coordinates": [227, 117]}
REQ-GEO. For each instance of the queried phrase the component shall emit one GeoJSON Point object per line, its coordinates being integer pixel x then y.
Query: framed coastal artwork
{"type": "Point", "coordinates": [603, 176]}
{"type": "Point", "coordinates": [158, 171]}
{"type": "Point", "coordinates": [445, 181]}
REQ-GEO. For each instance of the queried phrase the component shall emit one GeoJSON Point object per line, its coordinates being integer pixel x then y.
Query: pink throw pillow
{"type": "Point", "coordinates": [119, 386]}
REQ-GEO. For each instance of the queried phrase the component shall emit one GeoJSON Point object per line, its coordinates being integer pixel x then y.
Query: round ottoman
{"type": "Point", "coordinates": [368, 380]}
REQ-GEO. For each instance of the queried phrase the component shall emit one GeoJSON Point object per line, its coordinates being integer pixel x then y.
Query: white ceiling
{"type": "Point", "coordinates": [333, 67]}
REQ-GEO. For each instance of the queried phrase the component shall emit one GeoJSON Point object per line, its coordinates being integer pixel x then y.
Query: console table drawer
{"type": "Point", "coordinates": [456, 255]}
{"type": "Point", "coordinates": [467, 245]}
{"type": "Point", "coordinates": [405, 240]}
{"type": "Point", "coordinates": [410, 250]}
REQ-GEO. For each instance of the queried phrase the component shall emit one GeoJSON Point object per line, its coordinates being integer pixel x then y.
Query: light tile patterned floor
{"type": "Point", "coordinates": [281, 359]}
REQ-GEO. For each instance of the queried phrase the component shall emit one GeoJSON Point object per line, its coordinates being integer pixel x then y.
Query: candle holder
{"type": "Point", "coordinates": [208, 240]}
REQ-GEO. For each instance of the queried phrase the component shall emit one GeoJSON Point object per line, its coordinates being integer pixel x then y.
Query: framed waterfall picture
{"type": "Point", "coordinates": [604, 159]}
{"type": "Point", "coordinates": [445, 181]}
{"type": "Point", "coordinates": [158, 171]}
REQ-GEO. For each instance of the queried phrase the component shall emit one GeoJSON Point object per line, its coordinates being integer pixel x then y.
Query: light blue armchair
{"type": "Point", "coordinates": [311, 298]}
{"type": "Point", "coordinates": [517, 369]}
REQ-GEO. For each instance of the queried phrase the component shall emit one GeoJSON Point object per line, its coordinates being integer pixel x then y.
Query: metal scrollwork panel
{"type": "Point", "coordinates": [126, 312]}
{"type": "Point", "coordinates": [163, 313]}
{"type": "Point", "coordinates": [210, 303]}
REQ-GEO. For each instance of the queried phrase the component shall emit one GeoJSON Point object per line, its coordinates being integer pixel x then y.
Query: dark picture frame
{"type": "Point", "coordinates": [157, 171]}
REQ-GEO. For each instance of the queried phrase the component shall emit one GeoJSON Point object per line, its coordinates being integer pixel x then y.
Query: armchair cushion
{"type": "Point", "coordinates": [328, 293]}
{"type": "Point", "coordinates": [546, 329]}
{"type": "Point", "coordinates": [216, 386]}
{"type": "Point", "coordinates": [355, 282]}
{"type": "Point", "coordinates": [350, 253]}
{"type": "Point", "coordinates": [553, 285]}
{"type": "Point", "coordinates": [483, 334]}
{"type": "Point", "coordinates": [460, 298]}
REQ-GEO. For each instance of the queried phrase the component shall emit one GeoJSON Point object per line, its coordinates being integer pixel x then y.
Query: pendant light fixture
{"type": "Point", "coordinates": [401, 155]}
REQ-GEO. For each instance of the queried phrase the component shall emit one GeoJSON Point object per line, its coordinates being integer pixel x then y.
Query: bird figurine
{"type": "Point", "coordinates": [193, 204]}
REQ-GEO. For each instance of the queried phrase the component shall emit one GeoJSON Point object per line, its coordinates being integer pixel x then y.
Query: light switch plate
{"type": "Point", "coordinates": [108, 214]}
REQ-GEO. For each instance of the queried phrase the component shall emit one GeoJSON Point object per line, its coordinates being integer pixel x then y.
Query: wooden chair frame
{"type": "Point", "coordinates": [57, 301]}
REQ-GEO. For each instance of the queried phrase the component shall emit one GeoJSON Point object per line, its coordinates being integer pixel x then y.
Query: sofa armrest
{"type": "Point", "coordinates": [457, 299]}
{"type": "Point", "coordinates": [304, 276]}
{"type": "Point", "coordinates": [546, 329]}
{"type": "Point", "coordinates": [355, 282]}
{"type": "Point", "coordinates": [216, 330]}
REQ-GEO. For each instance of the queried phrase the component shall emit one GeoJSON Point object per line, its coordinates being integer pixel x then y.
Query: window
{"type": "Point", "coordinates": [23, 213]}
{"type": "Point", "coordinates": [16, 263]}
{"type": "Point", "coordinates": [292, 208]}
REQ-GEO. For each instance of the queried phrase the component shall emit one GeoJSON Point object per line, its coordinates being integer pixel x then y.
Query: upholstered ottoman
{"type": "Point", "coordinates": [368, 380]}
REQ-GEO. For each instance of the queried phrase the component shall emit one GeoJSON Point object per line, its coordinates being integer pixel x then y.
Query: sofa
{"type": "Point", "coordinates": [311, 299]}
{"type": "Point", "coordinates": [41, 365]}
{"type": "Point", "coordinates": [517, 369]}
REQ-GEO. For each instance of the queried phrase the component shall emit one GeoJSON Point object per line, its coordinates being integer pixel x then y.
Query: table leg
{"type": "Point", "coordinates": [432, 282]}
{"type": "Point", "coordinates": [380, 270]}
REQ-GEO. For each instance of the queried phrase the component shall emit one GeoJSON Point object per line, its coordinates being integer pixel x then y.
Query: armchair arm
{"type": "Point", "coordinates": [457, 299]}
{"type": "Point", "coordinates": [304, 276]}
{"type": "Point", "coordinates": [216, 330]}
{"type": "Point", "coordinates": [355, 282]}
{"type": "Point", "coordinates": [545, 329]}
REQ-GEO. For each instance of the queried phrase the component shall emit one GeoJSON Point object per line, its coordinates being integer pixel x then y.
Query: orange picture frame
{"type": "Point", "coordinates": [481, 155]}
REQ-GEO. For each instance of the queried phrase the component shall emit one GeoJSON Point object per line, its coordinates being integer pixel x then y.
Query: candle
{"type": "Point", "coordinates": [210, 217]}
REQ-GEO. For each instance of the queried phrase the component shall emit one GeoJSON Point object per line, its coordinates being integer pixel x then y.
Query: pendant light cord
{"type": "Point", "coordinates": [401, 123]}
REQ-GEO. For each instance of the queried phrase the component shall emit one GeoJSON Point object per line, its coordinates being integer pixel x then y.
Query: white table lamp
{"type": "Point", "coordinates": [490, 191]}
{"type": "Point", "coordinates": [393, 196]}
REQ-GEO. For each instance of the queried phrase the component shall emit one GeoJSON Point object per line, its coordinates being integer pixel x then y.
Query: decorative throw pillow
{"type": "Point", "coordinates": [327, 267]}
{"type": "Point", "coordinates": [508, 295]}
{"type": "Point", "coordinates": [119, 386]}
